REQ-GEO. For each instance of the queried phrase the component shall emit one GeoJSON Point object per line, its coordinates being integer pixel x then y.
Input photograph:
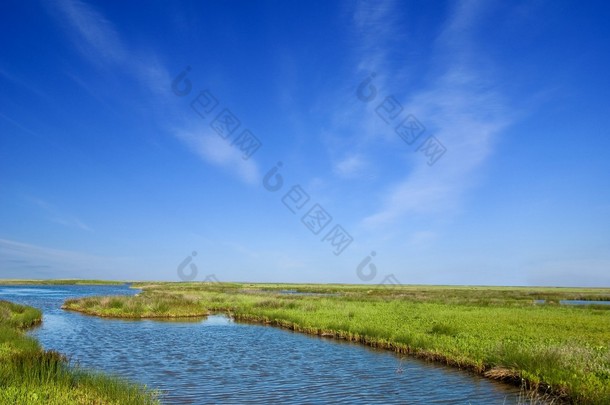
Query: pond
{"type": "Point", "coordinates": [220, 361]}
{"type": "Point", "coordinates": [295, 292]}
{"type": "Point", "coordinates": [576, 302]}
{"type": "Point", "coordinates": [583, 302]}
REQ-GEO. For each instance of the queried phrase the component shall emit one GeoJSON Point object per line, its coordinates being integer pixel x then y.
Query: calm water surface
{"type": "Point", "coordinates": [583, 302]}
{"type": "Point", "coordinates": [220, 361]}
{"type": "Point", "coordinates": [576, 302]}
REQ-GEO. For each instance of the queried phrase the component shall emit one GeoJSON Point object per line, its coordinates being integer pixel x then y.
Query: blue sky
{"type": "Point", "coordinates": [477, 153]}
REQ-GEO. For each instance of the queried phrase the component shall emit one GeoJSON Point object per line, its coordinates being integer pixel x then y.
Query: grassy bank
{"type": "Point", "coordinates": [31, 375]}
{"type": "Point", "coordinates": [499, 332]}
{"type": "Point", "coordinates": [158, 305]}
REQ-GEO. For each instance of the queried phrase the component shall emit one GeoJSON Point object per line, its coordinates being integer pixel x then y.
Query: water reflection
{"type": "Point", "coordinates": [584, 302]}
{"type": "Point", "coordinates": [576, 302]}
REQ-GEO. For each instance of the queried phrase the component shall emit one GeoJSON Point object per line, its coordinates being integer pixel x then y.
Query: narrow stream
{"type": "Point", "coordinates": [220, 361]}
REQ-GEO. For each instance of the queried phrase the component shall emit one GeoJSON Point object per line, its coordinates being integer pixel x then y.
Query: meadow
{"type": "Point", "coordinates": [31, 375]}
{"type": "Point", "coordinates": [502, 333]}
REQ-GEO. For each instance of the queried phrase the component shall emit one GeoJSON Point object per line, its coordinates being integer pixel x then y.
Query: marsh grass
{"type": "Point", "coordinates": [497, 331]}
{"type": "Point", "coordinates": [528, 396]}
{"type": "Point", "coordinates": [443, 329]}
{"type": "Point", "coordinates": [143, 305]}
{"type": "Point", "coordinates": [18, 316]}
{"type": "Point", "coordinates": [31, 375]}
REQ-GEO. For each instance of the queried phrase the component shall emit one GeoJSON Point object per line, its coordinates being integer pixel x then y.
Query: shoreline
{"type": "Point", "coordinates": [560, 352]}
{"type": "Point", "coordinates": [503, 375]}
{"type": "Point", "coordinates": [31, 374]}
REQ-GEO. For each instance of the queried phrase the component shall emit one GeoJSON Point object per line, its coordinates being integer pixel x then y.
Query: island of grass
{"type": "Point", "coordinates": [501, 333]}
{"type": "Point", "coordinates": [31, 375]}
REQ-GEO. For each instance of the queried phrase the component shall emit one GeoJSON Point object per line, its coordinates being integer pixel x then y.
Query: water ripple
{"type": "Point", "coordinates": [218, 361]}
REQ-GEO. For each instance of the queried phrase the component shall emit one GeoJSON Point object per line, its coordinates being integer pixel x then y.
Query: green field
{"type": "Point", "coordinates": [499, 332]}
{"type": "Point", "coordinates": [31, 375]}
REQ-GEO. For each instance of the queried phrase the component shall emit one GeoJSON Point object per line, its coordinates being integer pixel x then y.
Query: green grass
{"type": "Point", "coordinates": [31, 375]}
{"type": "Point", "coordinates": [144, 306]}
{"type": "Point", "coordinates": [497, 331]}
{"type": "Point", "coordinates": [18, 316]}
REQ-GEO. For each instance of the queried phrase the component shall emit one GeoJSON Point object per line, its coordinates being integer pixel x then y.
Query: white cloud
{"type": "Point", "coordinates": [26, 84]}
{"type": "Point", "coordinates": [219, 152]}
{"type": "Point", "coordinates": [95, 36]}
{"type": "Point", "coordinates": [377, 29]}
{"type": "Point", "coordinates": [463, 113]}
{"type": "Point", "coordinates": [99, 41]}
{"type": "Point", "coordinates": [33, 252]}
{"type": "Point", "coordinates": [19, 125]}
{"type": "Point", "coordinates": [467, 123]}
{"type": "Point", "coordinates": [23, 260]}
{"type": "Point", "coordinates": [351, 166]}
{"type": "Point", "coordinates": [55, 215]}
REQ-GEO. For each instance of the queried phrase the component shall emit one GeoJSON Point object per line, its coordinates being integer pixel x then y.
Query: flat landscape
{"type": "Point", "coordinates": [371, 202]}
{"type": "Point", "coordinates": [505, 333]}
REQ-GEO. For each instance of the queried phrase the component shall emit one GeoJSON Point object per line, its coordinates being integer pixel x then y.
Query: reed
{"type": "Point", "coordinates": [499, 332]}
{"type": "Point", "coordinates": [31, 375]}
{"type": "Point", "coordinates": [141, 306]}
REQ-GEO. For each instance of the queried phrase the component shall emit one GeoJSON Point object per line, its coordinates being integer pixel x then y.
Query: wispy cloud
{"type": "Point", "coordinates": [25, 260]}
{"type": "Point", "coordinates": [93, 35]}
{"type": "Point", "coordinates": [467, 121]}
{"type": "Point", "coordinates": [25, 84]}
{"type": "Point", "coordinates": [24, 252]}
{"type": "Point", "coordinates": [376, 34]}
{"type": "Point", "coordinates": [22, 260]}
{"type": "Point", "coordinates": [99, 41]}
{"type": "Point", "coordinates": [219, 152]}
{"type": "Point", "coordinates": [18, 125]}
{"type": "Point", "coordinates": [351, 166]}
{"type": "Point", "coordinates": [377, 25]}
{"type": "Point", "coordinates": [53, 214]}
{"type": "Point", "coordinates": [457, 106]}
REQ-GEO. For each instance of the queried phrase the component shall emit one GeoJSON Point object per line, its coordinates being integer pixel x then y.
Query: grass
{"type": "Point", "coordinates": [31, 375]}
{"type": "Point", "coordinates": [18, 316]}
{"type": "Point", "coordinates": [144, 306]}
{"type": "Point", "coordinates": [499, 332]}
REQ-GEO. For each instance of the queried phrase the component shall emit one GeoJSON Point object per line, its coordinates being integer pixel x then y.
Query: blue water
{"type": "Point", "coordinates": [576, 302]}
{"type": "Point", "coordinates": [220, 361]}
{"type": "Point", "coordinates": [584, 302]}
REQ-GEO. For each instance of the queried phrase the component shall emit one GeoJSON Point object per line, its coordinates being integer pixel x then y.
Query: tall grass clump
{"type": "Point", "coordinates": [18, 316]}
{"type": "Point", "coordinates": [503, 333]}
{"type": "Point", "coordinates": [31, 375]}
{"type": "Point", "coordinates": [151, 305]}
